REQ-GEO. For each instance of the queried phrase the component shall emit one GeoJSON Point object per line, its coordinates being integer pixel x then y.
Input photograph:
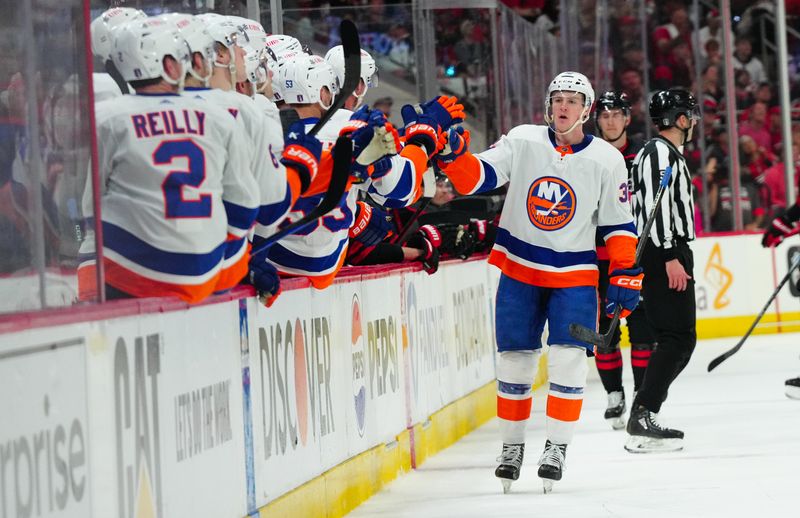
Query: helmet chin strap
{"type": "Point", "coordinates": [580, 120]}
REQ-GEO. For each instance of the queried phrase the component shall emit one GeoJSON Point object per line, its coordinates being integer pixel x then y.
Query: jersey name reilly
{"type": "Point", "coordinates": [168, 122]}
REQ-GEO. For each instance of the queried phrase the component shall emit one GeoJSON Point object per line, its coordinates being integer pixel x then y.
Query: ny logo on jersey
{"type": "Point", "coordinates": [551, 203]}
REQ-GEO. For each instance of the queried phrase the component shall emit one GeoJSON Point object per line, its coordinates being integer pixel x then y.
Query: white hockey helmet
{"type": "Point", "coordinates": [194, 32]}
{"type": "Point", "coordinates": [274, 68]}
{"type": "Point", "coordinates": [101, 27]}
{"type": "Point", "coordinates": [254, 32]}
{"type": "Point", "coordinates": [302, 79]}
{"type": "Point", "coordinates": [570, 82]}
{"type": "Point", "coordinates": [280, 44]}
{"type": "Point", "coordinates": [141, 46]}
{"type": "Point", "coordinates": [369, 70]}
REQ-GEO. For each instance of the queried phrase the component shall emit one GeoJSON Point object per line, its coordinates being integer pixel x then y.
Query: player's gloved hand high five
{"type": "Point", "coordinates": [302, 153]}
{"type": "Point", "coordinates": [421, 129]}
{"type": "Point", "coordinates": [374, 140]}
{"type": "Point", "coordinates": [452, 144]}
{"type": "Point", "coordinates": [446, 111]}
{"type": "Point", "coordinates": [781, 227]}
{"type": "Point", "coordinates": [428, 240]}
{"type": "Point", "coordinates": [624, 286]}
{"type": "Point", "coordinates": [264, 278]}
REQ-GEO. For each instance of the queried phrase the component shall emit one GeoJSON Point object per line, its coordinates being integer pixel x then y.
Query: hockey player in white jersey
{"type": "Point", "coordinates": [174, 172]}
{"type": "Point", "coordinates": [281, 181]}
{"type": "Point", "coordinates": [109, 84]}
{"type": "Point", "coordinates": [317, 252]}
{"type": "Point", "coordinates": [367, 80]}
{"type": "Point", "coordinates": [563, 187]}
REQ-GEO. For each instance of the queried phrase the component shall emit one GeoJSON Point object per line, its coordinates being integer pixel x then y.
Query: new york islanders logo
{"type": "Point", "coordinates": [551, 203]}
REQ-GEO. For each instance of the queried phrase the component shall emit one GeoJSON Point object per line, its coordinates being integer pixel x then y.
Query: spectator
{"type": "Point", "coordinates": [682, 65]}
{"type": "Point", "coordinates": [384, 104]}
{"type": "Point", "coordinates": [743, 89]}
{"type": "Point", "coordinates": [774, 178]}
{"type": "Point", "coordinates": [711, 84]}
{"type": "Point", "coordinates": [713, 53]}
{"type": "Point", "coordinates": [756, 126]}
{"type": "Point", "coordinates": [743, 59]}
{"type": "Point", "coordinates": [666, 36]}
{"type": "Point", "coordinates": [470, 50]}
{"type": "Point", "coordinates": [749, 204]}
{"type": "Point", "coordinates": [754, 158]}
{"type": "Point", "coordinates": [712, 31]}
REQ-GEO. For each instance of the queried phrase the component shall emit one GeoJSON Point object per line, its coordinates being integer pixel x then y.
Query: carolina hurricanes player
{"type": "Point", "coordinates": [109, 84]}
{"type": "Point", "coordinates": [308, 84]}
{"type": "Point", "coordinates": [563, 187]}
{"type": "Point", "coordinates": [612, 115]}
{"type": "Point", "coordinates": [171, 168]}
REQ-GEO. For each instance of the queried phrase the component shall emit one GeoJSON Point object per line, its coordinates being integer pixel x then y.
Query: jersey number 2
{"type": "Point", "coordinates": [175, 206]}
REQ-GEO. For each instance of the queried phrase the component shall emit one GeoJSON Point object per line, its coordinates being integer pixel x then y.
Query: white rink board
{"type": "Point", "coordinates": [44, 447]}
{"type": "Point", "coordinates": [167, 414]}
{"type": "Point", "coordinates": [160, 402]}
{"type": "Point", "coordinates": [734, 275]}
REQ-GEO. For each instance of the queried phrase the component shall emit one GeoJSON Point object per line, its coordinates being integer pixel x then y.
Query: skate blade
{"type": "Point", "coordinates": [639, 444]}
{"type": "Point", "coordinates": [547, 485]}
{"type": "Point", "coordinates": [506, 485]}
{"type": "Point", "coordinates": [792, 392]}
{"type": "Point", "coordinates": [617, 423]}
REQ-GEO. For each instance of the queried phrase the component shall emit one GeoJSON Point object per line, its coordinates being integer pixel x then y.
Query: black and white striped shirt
{"type": "Point", "coordinates": [675, 216]}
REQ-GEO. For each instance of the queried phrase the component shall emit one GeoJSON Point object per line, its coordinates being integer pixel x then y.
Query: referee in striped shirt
{"type": "Point", "coordinates": [668, 288]}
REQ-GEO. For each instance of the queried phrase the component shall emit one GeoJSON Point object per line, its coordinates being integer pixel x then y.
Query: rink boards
{"type": "Point", "coordinates": [153, 409]}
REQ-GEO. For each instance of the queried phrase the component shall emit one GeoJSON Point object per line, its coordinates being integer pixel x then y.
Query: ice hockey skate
{"type": "Point", "coordinates": [793, 388]}
{"type": "Point", "coordinates": [510, 463]}
{"type": "Point", "coordinates": [551, 464]}
{"type": "Point", "coordinates": [615, 412]}
{"type": "Point", "coordinates": [648, 436]}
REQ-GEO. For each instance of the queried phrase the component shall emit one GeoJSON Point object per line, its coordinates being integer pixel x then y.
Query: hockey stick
{"type": "Point", "coordinates": [583, 333]}
{"type": "Point", "coordinates": [724, 356]}
{"type": "Point", "coordinates": [342, 160]}
{"type": "Point", "coordinates": [352, 71]}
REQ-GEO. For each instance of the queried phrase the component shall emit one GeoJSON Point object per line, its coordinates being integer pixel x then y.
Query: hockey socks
{"type": "Point", "coordinates": [567, 369]}
{"type": "Point", "coordinates": [640, 357]}
{"type": "Point", "coordinates": [515, 373]}
{"type": "Point", "coordinates": [609, 367]}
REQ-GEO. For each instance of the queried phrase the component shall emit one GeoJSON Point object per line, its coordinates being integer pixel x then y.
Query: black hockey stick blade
{"type": "Point", "coordinates": [727, 354]}
{"type": "Point", "coordinates": [352, 71]}
{"type": "Point", "coordinates": [342, 160]}
{"type": "Point", "coordinates": [583, 333]}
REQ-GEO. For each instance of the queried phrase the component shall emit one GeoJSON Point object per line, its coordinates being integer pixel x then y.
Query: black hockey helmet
{"type": "Point", "coordinates": [612, 101]}
{"type": "Point", "coordinates": [667, 105]}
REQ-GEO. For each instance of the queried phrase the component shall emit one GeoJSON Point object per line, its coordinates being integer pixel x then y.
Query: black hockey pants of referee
{"type": "Point", "coordinates": [672, 315]}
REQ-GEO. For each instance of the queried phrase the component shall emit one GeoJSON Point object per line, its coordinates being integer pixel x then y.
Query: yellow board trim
{"type": "Point", "coordinates": [342, 488]}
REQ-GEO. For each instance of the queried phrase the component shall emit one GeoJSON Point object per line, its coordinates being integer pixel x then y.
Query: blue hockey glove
{"type": "Point", "coordinates": [302, 153]}
{"type": "Point", "coordinates": [445, 110]}
{"type": "Point", "coordinates": [454, 142]}
{"type": "Point", "coordinates": [264, 278]}
{"type": "Point", "coordinates": [420, 129]}
{"type": "Point", "coordinates": [371, 225]}
{"type": "Point", "coordinates": [623, 290]}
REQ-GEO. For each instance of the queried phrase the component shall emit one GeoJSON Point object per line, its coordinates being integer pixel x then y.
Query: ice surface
{"type": "Point", "coordinates": [741, 455]}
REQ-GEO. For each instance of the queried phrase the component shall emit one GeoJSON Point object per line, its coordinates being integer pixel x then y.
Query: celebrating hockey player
{"type": "Point", "coordinates": [308, 84]}
{"type": "Point", "coordinates": [280, 182]}
{"type": "Point", "coordinates": [668, 263]}
{"type": "Point", "coordinates": [368, 79]}
{"type": "Point", "coordinates": [612, 116]}
{"type": "Point", "coordinates": [564, 187]}
{"type": "Point", "coordinates": [171, 168]}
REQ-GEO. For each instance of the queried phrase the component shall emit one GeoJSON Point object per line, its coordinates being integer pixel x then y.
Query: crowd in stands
{"type": "Point", "coordinates": [675, 45]}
